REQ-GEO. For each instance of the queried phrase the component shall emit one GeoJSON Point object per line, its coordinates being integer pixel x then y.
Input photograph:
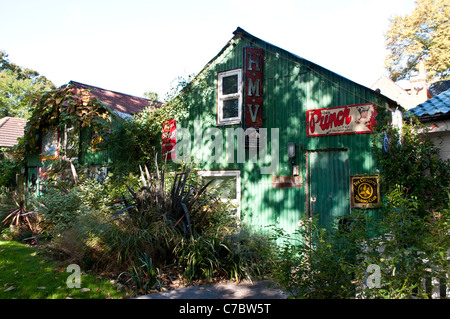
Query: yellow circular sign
{"type": "Point", "coordinates": [365, 190]}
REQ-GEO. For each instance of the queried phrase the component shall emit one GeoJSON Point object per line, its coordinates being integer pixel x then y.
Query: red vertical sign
{"type": "Point", "coordinates": [169, 139]}
{"type": "Point", "coordinates": [253, 87]}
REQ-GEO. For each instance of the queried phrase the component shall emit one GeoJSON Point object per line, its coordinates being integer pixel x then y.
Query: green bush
{"type": "Point", "coordinates": [61, 210]}
{"type": "Point", "coordinates": [94, 196]}
{"type": "Point", "coordinates": [410, 249]}
{"type": "Point", "coordinates": [317, 263]}
{"type": "Point", "coordinates": [410, 161]}
{"type": "Point", "coordinates": [9, 168]}
{"type": "Point", "coordinates": [238, 254]}
{"type": "Point", "coordinates": [410, 244]}
{"type": "Point", "coordinates": [320, 264]}
{"type": "Point", "coordinates": [178, 223]}
{"type": "Point", "coordinates": [125, 239]}
{"type": "Point", "coordinates": [73, 217]}
{"type": "Point", "coordinates": [250, 253]}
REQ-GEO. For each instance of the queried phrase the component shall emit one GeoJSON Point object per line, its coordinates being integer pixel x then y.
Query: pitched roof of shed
{"type": "Point", "coordinates": [241, 33]}
{"type": "Point", "coordinates": [11, 129]}
{"type": "Point", "coordinates": [116, 101]}
{"type": "Point", "coordinates": [434, 107]}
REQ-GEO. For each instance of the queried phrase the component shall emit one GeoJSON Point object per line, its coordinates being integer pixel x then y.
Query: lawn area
{"type": "Point", "coordinates": [26, 274]}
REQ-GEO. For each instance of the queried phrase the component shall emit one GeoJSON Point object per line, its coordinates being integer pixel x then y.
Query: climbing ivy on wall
{"type": "Point", "coordinates": [62, 108]}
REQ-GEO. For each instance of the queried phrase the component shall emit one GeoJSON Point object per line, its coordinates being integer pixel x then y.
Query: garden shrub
{"type": "Point", "coordinates": [202, 240]}
{"type": "Point", "coordinates": [317, 263]}
{"type": "Point", "coordinates": [409, 245]}
{"type": "Point", "coordinates": [411, 248]}
{"type": "Point", "coordinates": [410, 161]}
{"type": "Point", "coordinates": [9, 169]}
{"type": "Point", "coordinates": [72, 218]}
{"type": "Point", "coordinates": [60, 209]}
{"type": "Point", "coordinates": [238, 254]}
{"type": "Point", "coordinates": [250, 253]}
{"type": "Point", "coordinates": [125, 239]}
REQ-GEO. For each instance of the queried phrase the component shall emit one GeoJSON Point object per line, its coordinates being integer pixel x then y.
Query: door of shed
{"type": "Point", "coordinates": [328, 179]}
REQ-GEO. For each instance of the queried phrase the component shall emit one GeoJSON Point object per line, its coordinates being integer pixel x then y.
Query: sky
{"type": "Point", "coordinates": [135, 46]}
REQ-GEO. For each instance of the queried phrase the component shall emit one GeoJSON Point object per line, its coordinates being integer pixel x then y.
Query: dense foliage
{"type": "Point", "coordinates": [410, 160]}
{"type": "Point", "coordinates": [62, 108]}
{"type": "Point", "coordinates": [149, 225]}
{"type": "Point", "coordinates": [17, 84]}
{"type": "Point", "coordinates": [9, 168]}
{"type": "Point", "coordinates": [133, 142]}
{"type": "Point", "coordinates": [421, 34]}
{"type": "Point", "coordinates": [409, 246]}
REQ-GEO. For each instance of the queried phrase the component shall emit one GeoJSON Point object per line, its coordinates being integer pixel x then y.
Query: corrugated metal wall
{"type": "Point", "coordinates": [291, 87]}
{"type": "Point", "coordinates": [329, 188]}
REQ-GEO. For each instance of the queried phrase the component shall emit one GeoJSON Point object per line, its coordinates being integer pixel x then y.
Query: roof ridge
{"type": "Point", "coordinates": [312, 66]}
{"type": "Point", "coordinates": [239, 32]}
{"type": "Point", "coordinates": [11, 128]}
{"type": "Point", "coordinates": [439, 104]}
{"type": "Point", "coordinates": [99, 88]}
{"type": "Point", "coordinates": [3, 120]}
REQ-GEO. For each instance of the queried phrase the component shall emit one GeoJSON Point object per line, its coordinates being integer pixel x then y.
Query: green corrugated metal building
{"type": "Point", "coordinates": [313, 129]}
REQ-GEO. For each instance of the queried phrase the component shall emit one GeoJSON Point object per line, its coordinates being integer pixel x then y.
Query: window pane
{"type": "Point", "coordinates": [230, 108]}
{"type": "Point", "coordinates": [223, 186]}
{"type": "Point", "coordinates": [49, 145]}
{"type": "Point", "coordinates": [230, 84]}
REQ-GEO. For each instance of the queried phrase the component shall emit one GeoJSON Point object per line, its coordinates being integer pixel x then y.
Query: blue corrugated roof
{"type": "Point", "coordinates": [439, 87]}
{"type": "Point", "coordinates": [440, 104]}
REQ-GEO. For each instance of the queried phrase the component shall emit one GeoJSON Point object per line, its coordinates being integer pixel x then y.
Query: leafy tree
{"type": "Point", "coordinates": [16, 85]}
{"type": "Point", "coordinates": [135, 141]}
{"type": "Point", "coordinates": [151, 95]}
{"type": "Point", "coordinates": [422, 34]}
{"type": "Point", "coordinates": [412, 163]}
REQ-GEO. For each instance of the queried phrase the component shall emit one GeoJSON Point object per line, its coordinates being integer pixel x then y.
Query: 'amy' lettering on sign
{"type": "Point", "coordinates": [348, 119]}
{"type": "Point", "coordinates": [253, 93]}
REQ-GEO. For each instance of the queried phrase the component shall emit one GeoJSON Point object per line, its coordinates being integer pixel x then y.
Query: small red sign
{"type": "Point", "coordinates": [169, 139]}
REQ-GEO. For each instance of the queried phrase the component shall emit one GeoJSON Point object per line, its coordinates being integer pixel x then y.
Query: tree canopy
{"type": "Point", "coordinates": [422, 34]}
{"type": "Point", "coordinates": [16, 84]}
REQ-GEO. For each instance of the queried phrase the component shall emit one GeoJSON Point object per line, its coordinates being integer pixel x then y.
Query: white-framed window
{"type": "Point", "coordinates": [227, 185]}
{"type": "Point", "coordinates": [229, 93]}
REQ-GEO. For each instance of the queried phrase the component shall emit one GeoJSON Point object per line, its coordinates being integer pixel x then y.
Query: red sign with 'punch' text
{"type": "Point", "coordinates": [348, 119]}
